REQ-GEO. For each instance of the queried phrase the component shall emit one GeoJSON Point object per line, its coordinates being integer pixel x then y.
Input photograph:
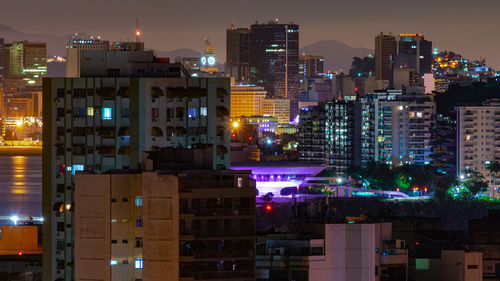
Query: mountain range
{"type": "Point", "coordinates": [338, 56]}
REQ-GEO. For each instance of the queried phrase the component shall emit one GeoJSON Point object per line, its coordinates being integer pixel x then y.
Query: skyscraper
{"type": "Point", "coordinates": [385, 50]}
{"type": "Point", "coordinates": [274, 59]}
{"type": "Point", "coordinates": [237, 52]}
{"type": "Point", "coordinates": [414, 52]}
{"type": "Point", "coordinates": [310, 66]}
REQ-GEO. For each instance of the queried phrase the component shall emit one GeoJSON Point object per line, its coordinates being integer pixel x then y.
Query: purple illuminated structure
{"type": "Point", "coordinates": [277, 176]}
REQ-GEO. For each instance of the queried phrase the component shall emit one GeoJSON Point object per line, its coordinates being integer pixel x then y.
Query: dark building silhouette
{"type": "Point", "coordinates": [274, 59]}
{"type": "Point", "coordinates": [414, 52]}
{"type": "Point", "coordinates": [237, 53]}
{"type": "Point", "coordinates": [385, 50]}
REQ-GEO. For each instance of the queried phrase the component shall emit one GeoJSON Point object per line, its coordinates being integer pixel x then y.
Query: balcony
{"type": "Point", "coordinates": [219, 212]}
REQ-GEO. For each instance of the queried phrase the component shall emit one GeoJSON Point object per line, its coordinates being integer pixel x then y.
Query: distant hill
{"type": "Point", "coordinates": [56, 45]}
{"type": "Point", "coordinates": [184, 52]}
{"type": "Point", "coordinates": [338, 56]}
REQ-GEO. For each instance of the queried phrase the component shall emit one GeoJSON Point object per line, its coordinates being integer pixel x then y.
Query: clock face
{"type": "Point", "coordinates": [203, 60]}
{"type": "Point", "coordinates": [211, 60]}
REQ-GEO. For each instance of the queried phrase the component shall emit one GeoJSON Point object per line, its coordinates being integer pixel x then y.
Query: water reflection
{"type": "Point", "coordinates": [20, 186]}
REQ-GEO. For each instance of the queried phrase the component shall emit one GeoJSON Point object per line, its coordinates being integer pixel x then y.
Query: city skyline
{"type": "Point", "coordinates": [345, 22]}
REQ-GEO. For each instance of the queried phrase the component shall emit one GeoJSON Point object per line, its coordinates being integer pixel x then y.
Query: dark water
{"type": "Point", "coordinates": [20, 187]}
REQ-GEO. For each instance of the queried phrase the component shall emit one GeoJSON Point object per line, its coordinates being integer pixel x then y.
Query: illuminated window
{"type": "Point", "coordinates": [412, 114]}
{"type": "Point", "coordinates": [419, 114]}
{"type": "Point", "coordinates": [107, 113]}
{"type": "Point", "coordinates": [138, 263]}
{"type": "Point", "coordinates": [90, 111]}
{"type": "Point", "coordinates": [192, 112]}
{"type": "Point", "coordinates": [77, 168]}
{"type": "Point", "coordinates": [203, 111]}
{"type": "Point", "coordinates": [138, 201]}
{"type": "Point", "coordinates": [114, 262]}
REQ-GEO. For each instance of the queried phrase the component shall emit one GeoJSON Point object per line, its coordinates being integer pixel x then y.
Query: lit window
{"type": "Point", "coordinates": [138, 263]}
{"type": "Point", "coordinates": [138, 222]}
{"type": "Point", "coordinates": [90, 111]}
{"type": "Point", "coordinates": [114, 262]}
{"type": "Point", "coordinates": [192, 112]}
{"type": "Point", "coordinates": [240, 182]}
{"type": "Point", "coordinates": [114, 220]}
{"type": "Point", "coordinates": [203, 111]}
{"type": "Point", "coordinates": [419, 114]}
{"type": "Point", "coordinates": [77, 168]}
{"type": "Point", "coordinates": [107, 113]}
{"type": "Point", "coordinates": [138, 201]}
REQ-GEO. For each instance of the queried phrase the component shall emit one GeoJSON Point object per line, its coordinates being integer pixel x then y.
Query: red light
{"type": "Point", "coordinates": [233, 135]}
{"type": "Point", "coordinates": [425, 189]}
{"type": "Point", "coordinates": [269, 208]}
{"type": "Point", "coordinates": [356, 89]}
{"type": "Point", "coordinates": [397, 189]}
{"type": "Point", "coordinates": [250, 138]}
{"type": "Point", "coordinates": [416, 243]}
{"type": "Point", "coordinates": [20, 253]}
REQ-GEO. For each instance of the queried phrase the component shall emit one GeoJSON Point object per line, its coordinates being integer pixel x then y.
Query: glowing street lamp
{"type": "Point", "coordinates": [462, 177]}
{"type": "Point", "coordinates": [236, 124]}
{"type": "Point", "coordinates": [14, 219]}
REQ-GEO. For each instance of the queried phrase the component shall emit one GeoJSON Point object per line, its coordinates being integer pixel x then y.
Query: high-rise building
{"type": "Point", "coordinates": [312, 138]}
{"type": "Point", "coordinates": [478, 141]}
{"type": "Point", "coordinates": [237, 53]}
{"type": "Point", "coordinates": [343, 135]}
{"type": "Point", "coordinates": [414, 52]}
{"type": "Point", "coordinates": [96, 124]}
{"type": "Point", "coordinates": [405, 124]}
{"type": "Point", "coordinates": [392, 127]}
{"type": "Point", "coordinates": [26, 61]}
{"type": "Point", "coordinates": [310, 66]}
{"type": "Point", "coordinates": [385, 51]}
{"type": "Point", "coordinates": [274, 59]}
{"type": "Point", "coordinates": [165, 225]}
{"type": "Point", "coordinates": [77, 45]}
{"type": "Point", "coordinates": [277, 107]}
{"type": "Point", "coordinates": [246, 100]}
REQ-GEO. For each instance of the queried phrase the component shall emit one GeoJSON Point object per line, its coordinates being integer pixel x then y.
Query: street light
{"type": "Point", "coordinates": [236, 124]}
{"type": "Point", "coordinates": [462, 177]}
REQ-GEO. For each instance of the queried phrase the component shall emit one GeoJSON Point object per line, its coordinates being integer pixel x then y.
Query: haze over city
{"type": "Point", "coordinates": [466, 27]}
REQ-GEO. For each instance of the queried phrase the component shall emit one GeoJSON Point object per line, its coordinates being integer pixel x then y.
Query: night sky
{"type": "Point", "coordinates": [467, 27]}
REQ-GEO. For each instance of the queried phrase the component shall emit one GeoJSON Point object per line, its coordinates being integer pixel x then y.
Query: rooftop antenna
{"type": "Point", "coordinates": [137, 31]}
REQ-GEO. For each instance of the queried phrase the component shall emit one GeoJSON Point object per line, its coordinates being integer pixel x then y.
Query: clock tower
{"type": "Point", "coordinates": [208, 62]}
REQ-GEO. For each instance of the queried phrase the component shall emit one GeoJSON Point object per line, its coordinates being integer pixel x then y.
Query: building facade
{"type": "Point", "coordinates": [246, 100]}
{"type": "Point", "coordinates": [478, 141]}
{"type": "Point", "coordinates": [385, 51]}
{"type": "Point", "coordinates": [165, 225]}
{"type": "Point", "coordinates": [237, 53]}
{"type": "Point", "coordinates": [414, 52]}
{"type": "Point", "coordinates": [310, 66]}
{"type": "Point", "coordinates": [277, 107]}
{"type": "Point", "coordinates": [274, 60]}
{"type": "Point", "coordinates": [98, 124]}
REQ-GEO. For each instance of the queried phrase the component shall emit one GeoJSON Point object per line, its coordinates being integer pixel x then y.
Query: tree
{"type": "Point", "coordinates": [362, 66]}
{"type": "Point", "coordinates": [475, 184]}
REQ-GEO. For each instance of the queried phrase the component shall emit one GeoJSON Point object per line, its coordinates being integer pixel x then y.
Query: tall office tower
{"type": "Point", "coordinates": [385, 52]}
{"type": "Point", "coordinates": [312, 134]}
{"type": "Point", "coordinates": [414, 52]}
{"type": "Point", "coordinates": [277, 107]}
{"type": "Point", "coordinates": [77, 45]}
{"type": "Point", "coordinates": [175, 224]}
{"type": "Point", "coordinates": [310, 66]}
{"type": "Point", "coordinates": [274, 59]}
{"type": "Point", "coordinates": [478, 143]}
{"type": "Point", "coordinates": [246, 100]}
{"type": "Point", "coordinates": [237, 52]}
{"type": "Point", "coordinates": [96, 124]}
{"type": "Point", "coordinates": [343, 135]}
{"type": "Point", "coordinates": [26, 62]}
